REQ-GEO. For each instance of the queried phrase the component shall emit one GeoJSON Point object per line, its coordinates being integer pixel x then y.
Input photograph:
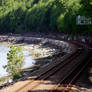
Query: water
{"type": "Point", "coordinates": [3, 59]}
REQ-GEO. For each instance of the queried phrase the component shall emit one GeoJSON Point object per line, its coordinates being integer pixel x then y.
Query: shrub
{"type": "Point", "coordinates": [15, 61]}
{"type": "Point", "coordinates": [16, 76]}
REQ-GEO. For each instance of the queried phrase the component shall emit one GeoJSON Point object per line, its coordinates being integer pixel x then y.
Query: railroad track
{"type": "Point", "coordinates": [66, 83]}
{"type": "Point", "coordinates": [53, 70]}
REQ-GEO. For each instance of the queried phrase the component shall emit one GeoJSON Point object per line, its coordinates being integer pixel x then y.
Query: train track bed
{"type": "Point", "coordinates": [55, 74]}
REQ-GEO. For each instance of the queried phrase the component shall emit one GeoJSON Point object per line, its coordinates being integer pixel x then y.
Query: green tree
{"type": "Point", "coordinates": [15, 60]}
{"type": "Point", "coordinates": [19, 16]}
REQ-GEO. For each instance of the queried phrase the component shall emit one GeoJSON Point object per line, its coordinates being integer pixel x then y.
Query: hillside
{"type": "Point", "coordinates": [18, 16]}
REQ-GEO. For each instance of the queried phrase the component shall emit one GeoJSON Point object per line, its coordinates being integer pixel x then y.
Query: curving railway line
{"type": "Point", "coordinates": [59, 76]}
{"type": "Point", "coordinates": [69, 66]}
{"type": "Point", "coordinates": [51, 71]}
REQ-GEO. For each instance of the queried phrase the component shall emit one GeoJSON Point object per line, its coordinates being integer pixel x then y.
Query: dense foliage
{"type": "Point", "coordinates": [15, 61]}
{"type": "Point", "coordinates": [44, 15]}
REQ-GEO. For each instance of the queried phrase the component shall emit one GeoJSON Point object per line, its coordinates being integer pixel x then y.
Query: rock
{"type": "Point", "coordinates": [69, 38]}
{"type": "Point", "coordinates": [83, 40]}
{"type": "Point", "coordinates": [10, 80]}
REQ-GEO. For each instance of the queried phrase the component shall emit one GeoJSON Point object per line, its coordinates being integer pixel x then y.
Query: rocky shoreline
{"type": "Point", "coordinates": [38, 45]}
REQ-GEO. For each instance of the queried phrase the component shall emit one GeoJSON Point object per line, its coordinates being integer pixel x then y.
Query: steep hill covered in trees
{"type": "Point", "coordinates": [18, 16]}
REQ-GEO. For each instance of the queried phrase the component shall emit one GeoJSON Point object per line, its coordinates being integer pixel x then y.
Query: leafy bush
{"type": "Point", "coordinates": [15, 61]}
{"type": "Point", "coordinates": [16, 76]}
